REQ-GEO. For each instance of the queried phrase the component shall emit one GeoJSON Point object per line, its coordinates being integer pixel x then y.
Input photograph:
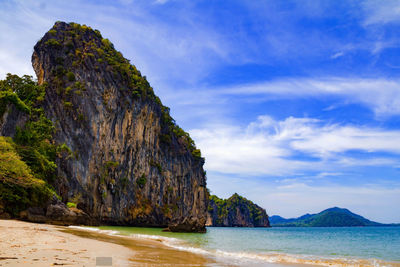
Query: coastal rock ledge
{"type": "Point", "coordinates": [126, 162]}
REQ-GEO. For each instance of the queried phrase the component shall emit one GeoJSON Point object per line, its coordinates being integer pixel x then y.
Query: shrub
{"type": "Point", "coordinates": [79, 86]}
{"type": "Point", "coordinates": [81, 117]}
{"type": "Point", "coordinates": [69, 45]}
{"type": "Point", "coordinates": [53, 32]}
{"type": "Point", "coordinates": [196, 153]}
{"type": "Point", "coordinates": [53, 43]}
{"type": "Point", "coordinates": [157, 165]}
{"type": "Point", "coordinates": [136, 94]}
{"type": "Point", "coordinates": [71, 76]}
{"type": "Point", "coordinates": [68, 105]}
{"type": "Point", "coordinates": [112, 164]}
{"type": "Point", "coordinates": [11, 97]}
{"type": "Point", "coordinates": [78, 53]}
{"type": "Point", "coordinates": [68, 90]}
{"type": "Point", "coordinates": [71, 205]}
{"type": "Point", "coordinates": [60, 71]}
{"type": "Point", "coordinates": [141, 181]}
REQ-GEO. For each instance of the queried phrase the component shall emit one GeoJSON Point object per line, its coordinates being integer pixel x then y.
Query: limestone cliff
{"type": "Point", "coordinates": [128, 163]}
{"type": "Point", "coordinates": [235, 211]}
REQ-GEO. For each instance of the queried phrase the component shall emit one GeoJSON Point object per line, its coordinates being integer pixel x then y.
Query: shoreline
{"type": "Point", "coordinates": [32, 244]}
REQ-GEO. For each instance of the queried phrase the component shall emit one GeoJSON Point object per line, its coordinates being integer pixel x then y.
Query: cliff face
{"type": "Point", "coordinates": [128, 163]}
{"type": "Point", "coordinates": [235, 211]}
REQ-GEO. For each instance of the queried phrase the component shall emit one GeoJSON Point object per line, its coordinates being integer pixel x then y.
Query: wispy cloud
{"type": "Point", "coordinates": [381, 95]}
{"type": "Point", "coordinates": [292, 146]}
{"type": "Point", "coordinates": [337, 55]}
{"type": "Point", "coordinates": [381, 12]}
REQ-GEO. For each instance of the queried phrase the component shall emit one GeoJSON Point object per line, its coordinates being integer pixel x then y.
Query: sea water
{"type": "Point", "coordinates": [344, 246]}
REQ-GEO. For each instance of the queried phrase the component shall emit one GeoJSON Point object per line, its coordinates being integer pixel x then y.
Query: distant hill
{"type": "Point", "coordinates": [333, 217]}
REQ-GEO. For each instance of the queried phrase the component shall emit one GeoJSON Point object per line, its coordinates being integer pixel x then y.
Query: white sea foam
{"type": "Point", "coordinates": [92, 229]}
{"type": "Point", "coordinates": [243, 257]}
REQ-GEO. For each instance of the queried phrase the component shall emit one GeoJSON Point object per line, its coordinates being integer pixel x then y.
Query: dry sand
{"type": "Point", "coordinates": [30, 244]}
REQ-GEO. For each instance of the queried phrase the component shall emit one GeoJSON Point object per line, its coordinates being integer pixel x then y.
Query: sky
{"type": "Point", "coordinates": [294, 104]}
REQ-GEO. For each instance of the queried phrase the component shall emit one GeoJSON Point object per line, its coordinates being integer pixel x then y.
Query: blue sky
{"type": "Point", "coordinates": [294, 104]}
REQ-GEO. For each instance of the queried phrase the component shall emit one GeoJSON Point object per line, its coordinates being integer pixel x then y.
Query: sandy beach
{"type": "Point", "coordinates": [30, 244]}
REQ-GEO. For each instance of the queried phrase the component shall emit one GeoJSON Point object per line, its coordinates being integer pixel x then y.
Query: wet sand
{"type": "Point", "coordinates": [150, 252]}
{"type": "Point", "coordinates": [30, 244]}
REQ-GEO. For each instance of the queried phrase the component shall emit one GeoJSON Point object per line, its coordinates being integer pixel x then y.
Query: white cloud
{"type": "Point", "coordinates": [232, 150]}
{"type": "Point", "coordinates": [381, 12]}
{"type": "Point", "coordinates": [335, 139]}
{"type": "Point", "coordinates": [270, 147]}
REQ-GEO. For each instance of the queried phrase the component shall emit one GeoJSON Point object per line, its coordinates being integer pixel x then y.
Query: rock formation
{"type": "Point", "coordinates": [235, 211]}
{"type": "Point", "coordinates": [126, 161]}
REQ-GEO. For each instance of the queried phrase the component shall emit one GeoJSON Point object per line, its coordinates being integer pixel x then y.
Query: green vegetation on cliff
{"type": "Point", "coordinates": [19, 189]}
{"type": "Point", "coordinates": [34, 139]}
{"type": "Point", "coordinates": [26, 161]}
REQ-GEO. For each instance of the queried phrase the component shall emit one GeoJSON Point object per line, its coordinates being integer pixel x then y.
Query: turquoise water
{"type": "Point", "coordinates": [349, 243]}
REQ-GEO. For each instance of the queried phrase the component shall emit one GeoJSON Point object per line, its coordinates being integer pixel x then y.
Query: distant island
{"type": "Point", "coordinates": [333, 217]}
{"type": "Point", "coordinates": [235, 211]}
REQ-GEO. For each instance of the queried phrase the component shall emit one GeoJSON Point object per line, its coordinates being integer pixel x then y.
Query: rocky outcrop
{"type": "Point", "coordinates": [56, 212]}
{"type": "Point", "coordinates": [125, 161]}
{"type": "Point", "coordinates": [11, 119]}
{"type": "Point", "coordinates": [235, 211]}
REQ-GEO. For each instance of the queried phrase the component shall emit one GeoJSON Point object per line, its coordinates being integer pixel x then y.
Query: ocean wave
{"type": "Point", "coordinates": [282, 258]}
